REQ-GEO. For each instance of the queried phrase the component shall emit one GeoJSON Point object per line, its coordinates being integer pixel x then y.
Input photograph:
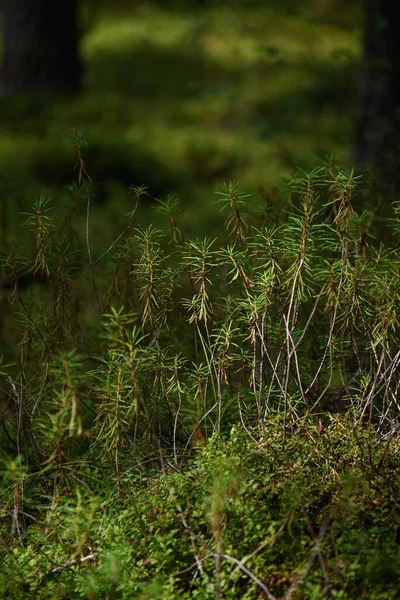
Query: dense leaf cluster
{"type": "Point", "coordinates": [202, 418]}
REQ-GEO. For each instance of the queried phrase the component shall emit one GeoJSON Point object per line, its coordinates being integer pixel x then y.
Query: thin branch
{"type": "Point", "coordinates": [245, 570]}
{"type": "Point", "coordinates": [71, 563]}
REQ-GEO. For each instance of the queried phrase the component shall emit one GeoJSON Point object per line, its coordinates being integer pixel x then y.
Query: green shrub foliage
{"type": "Point", "coordinates": [204, 418]}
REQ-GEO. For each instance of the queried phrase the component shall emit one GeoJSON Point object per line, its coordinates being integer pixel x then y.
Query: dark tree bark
{"type": "Point", "coordinates": [40, 47]}
{"type": "Point", "coordinates": [378, 123]}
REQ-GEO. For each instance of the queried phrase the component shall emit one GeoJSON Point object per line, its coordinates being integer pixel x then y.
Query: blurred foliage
{"type": "Point", "coordinates": [181, 96]}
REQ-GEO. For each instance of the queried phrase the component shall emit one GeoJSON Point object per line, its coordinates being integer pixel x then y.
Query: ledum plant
{"type": "Point", "coordinates": [127, 359]}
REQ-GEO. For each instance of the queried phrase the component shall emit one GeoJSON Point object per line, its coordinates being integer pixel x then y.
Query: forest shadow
{"type": "Point", "coordinates": [182, 101]}
{"type": "Point", "coordinates": [151, 72]}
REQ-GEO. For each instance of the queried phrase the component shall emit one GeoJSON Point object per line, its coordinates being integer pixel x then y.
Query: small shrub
{"type": "Point", "coordinates": [202, 418]}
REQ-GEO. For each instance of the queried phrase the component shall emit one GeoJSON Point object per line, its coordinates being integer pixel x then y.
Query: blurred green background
{"type": "Point", "coordinates": [182, 96]}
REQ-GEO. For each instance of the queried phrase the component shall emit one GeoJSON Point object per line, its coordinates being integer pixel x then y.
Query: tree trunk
{"type": "Point", "coordinates": [40, 40]}
{"type": "Point", "coordinates": [377, 128]}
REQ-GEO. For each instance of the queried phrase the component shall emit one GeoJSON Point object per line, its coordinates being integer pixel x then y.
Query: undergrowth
{"type": "Point", "coordinates": [202, 418]}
